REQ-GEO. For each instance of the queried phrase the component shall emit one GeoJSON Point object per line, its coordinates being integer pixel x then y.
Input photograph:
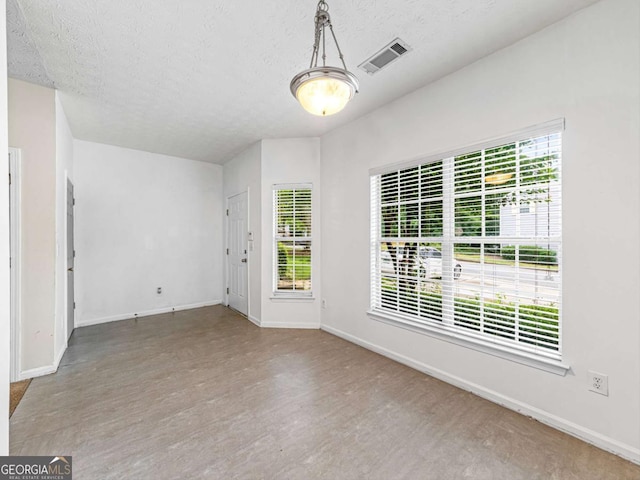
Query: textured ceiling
{"type": "Point", "coordinates": [203, 79]}
{"type": "Point", "coordinates": [25, 62]}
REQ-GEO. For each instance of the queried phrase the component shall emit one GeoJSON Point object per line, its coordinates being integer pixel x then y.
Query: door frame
{"type": "Point", "coordinates": [66, 251]}
{"type": "Point", "coordinates": [226, 248]}
{"type": "Point", "coordinates": [15, 240]}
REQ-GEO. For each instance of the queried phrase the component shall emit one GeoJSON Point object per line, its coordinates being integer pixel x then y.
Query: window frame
{"type": "Point", "coordinates": [307, 239]}
{"type": "Point", "coordinates": [550, 361]}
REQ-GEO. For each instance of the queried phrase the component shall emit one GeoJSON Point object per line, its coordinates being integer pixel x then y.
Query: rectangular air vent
{"type": "Point", "coordinates": [384, 57]}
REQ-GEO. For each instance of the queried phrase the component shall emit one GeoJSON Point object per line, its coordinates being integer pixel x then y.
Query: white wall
{"type": "Point", "coordinates": [32, 128]}
{"type": "Point", "coordinates": [64, 170]}
{"type": "Point", "coordinates": [257, 169]}
{"type": "Point", "coordinates": [4, 243]}
{"type": "Point", "coordinates": [586, 69]}
{"type": "Point", "coordinates": [144, 221]}
{"type": "Point", "coordinates": [293, 160]}
{"type": "Point", "coordinates": [243, 174]}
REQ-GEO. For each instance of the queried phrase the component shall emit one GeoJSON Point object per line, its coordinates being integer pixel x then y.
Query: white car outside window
{"type": "Point", "coordinates": [429, 263]}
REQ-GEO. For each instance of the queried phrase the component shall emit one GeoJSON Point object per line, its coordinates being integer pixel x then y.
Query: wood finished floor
{"type": "Point", "coordinates": [206, 394]}
{"type": "Point", "coordinates": [16, 392]}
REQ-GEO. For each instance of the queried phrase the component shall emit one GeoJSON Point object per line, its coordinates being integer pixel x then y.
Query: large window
{"type": "Point", "coordinates": [468, 245]}
{"type": "Point", "coordinates": [292, 232]}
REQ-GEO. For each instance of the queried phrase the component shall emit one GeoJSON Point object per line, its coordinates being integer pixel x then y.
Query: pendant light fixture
{"type": "Point", "coordinates": [324, 90]}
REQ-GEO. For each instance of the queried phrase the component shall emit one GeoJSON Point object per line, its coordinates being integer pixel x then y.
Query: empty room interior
{"type": "Point", "coordinates": [335, 239]}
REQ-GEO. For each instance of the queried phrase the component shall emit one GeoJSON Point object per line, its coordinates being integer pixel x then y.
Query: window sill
{"type": "Point", "coordinates": [498, 350]}
{"type": "Point", "coordinates": [287, 297]}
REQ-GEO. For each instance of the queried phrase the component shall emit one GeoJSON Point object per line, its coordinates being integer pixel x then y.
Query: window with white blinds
{"type": "Point", "coordinates": [469, 244]}
{"type": "Point", "coordinates": [292, 239]}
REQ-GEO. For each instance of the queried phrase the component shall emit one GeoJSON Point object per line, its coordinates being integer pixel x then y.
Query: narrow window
{"type": "Point", "coordinates": [292, 239]}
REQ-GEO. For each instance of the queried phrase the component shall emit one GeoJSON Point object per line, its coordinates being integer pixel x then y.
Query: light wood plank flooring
{"type": "Point", "coordinates": [206, 394]}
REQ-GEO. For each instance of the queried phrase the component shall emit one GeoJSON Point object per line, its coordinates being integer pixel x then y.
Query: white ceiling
{"type": "Point", "coordinates": [203, 79]}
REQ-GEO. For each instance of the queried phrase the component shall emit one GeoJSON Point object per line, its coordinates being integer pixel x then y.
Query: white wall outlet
{"type": "Point", "coordinates": [598, 382]}
{"type": "Point", "coordinates": [324, 303]}
{"type": "Point", "coordinates": [159, 291]}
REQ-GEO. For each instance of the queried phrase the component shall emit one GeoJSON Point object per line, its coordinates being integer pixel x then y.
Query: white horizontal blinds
{"type": "Point", "coordinates": [473, 243]}
{"type": "Point", "coordinates": [507, 212]}
{"type": "Point", "coordinates": [292, 256]}
{"type": "Point", "coordinates": [409, 261]}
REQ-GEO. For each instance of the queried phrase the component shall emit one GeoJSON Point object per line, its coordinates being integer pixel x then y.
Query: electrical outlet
{"type": "Point", "coordinates": [159, 291]}
{"type": "Point", "coordinates": [598, 382]}
{"type": "Point", "coordinates": [324, 303]}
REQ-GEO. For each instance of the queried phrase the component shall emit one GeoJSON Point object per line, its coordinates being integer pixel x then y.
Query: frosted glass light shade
{"type": "Point", "coordinates": [324, 96]}
{"type": "Point", "coordinates": [324, 90]}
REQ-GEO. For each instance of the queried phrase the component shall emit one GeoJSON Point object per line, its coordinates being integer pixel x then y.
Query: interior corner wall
{"type": "Point", "coordinates": [64, 170]}
{"type": "Point", "coordinates": [290, 160]}
{"type": "Point", "coordinates": [5, 314]}
{"type": "Point", "coordinates": [144, 221]}
{"type": "Point", "coordinates": [243, 174]}
{"type": "Point", "coordinates": [586, 69]}
{"type": "Point", "coordinates": [32, 129]}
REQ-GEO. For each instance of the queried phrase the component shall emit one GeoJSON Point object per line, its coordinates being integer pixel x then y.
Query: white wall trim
{"type": "Point", "coordinates": [146, 313]}
{"type": "Point", "coordinates": [5, 288]}
{"type": "Point", "coordinates": [254, 320]}
{"type": "Point", "coordinates": [250, 246]}
{"type": "Point", "coordinates": [65, 286]}
{"type": "Point", "coordinates": [288, 298]}
{"type": "Point", "coordinates": [601, 441]}
{"type": "Point", "coordinates": [58, 359]}
{"type": "Point", "coordinates": [16, 240]}
{"type": "Point", "coordinates": [38, 372]}
{"type": "Point", "coordinates": [46, 370]}
{"type": "Point", "coordinates": [313, 326]}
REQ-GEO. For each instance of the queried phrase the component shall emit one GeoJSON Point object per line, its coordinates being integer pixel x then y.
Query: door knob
{"type": "Point", "coordinates": [244, 260]}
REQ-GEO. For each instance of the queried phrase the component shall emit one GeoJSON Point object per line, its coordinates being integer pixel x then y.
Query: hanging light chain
{"type": "Point", "coordinates": [316, 46]}
{"type": "Point", "coordinates": [322, 19]}
{"type": "Point", "coordinates": [324, 46]}
{"type": "Point", "coordinates": [337, 46]}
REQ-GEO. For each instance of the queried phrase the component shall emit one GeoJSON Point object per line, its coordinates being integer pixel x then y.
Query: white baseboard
{"type": "Point", "coordinates": [146, 313]}
{"type": "Point", "coordinates": [601, 441]}
{"type": "Point", "coordinates": [58, 359]}
{"type": "Point", "coordinates": [46, 370]}
{"type": "Point", "coordinates": [38, 372]}
{"type": "Point", "coordinates": [299, 325]}
{"type": "Point", "coordinates": [313, 326]}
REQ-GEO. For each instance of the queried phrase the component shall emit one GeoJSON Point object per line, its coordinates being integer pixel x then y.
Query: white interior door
{"type": "Point", "coordinates": [237, 278]}
{"type": "Point", "coordinates": [71, 305]}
